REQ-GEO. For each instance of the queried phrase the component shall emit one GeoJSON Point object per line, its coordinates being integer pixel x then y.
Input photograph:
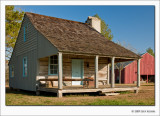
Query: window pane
{"type": "Point", "coordinates": [55, 62]}
{"type": "Point", "coordinates": [51, 57]}
{"type": "Point", "coordinates": [51, 66]}
{"type": "Point", "coordinates": [55, 71]}
{"type": "Point", "coordinates": [51, 71]}
{"type": "Point", "coordinates": [24, 60]}
{"type": "Point", "coordinates": [55, 67]}
{"type": "Point", "coordinates": [25, 66]}
{"type": "Point", "coordinates": [51, 62]}
{"type": "Point", "coordinates": [55, 57]}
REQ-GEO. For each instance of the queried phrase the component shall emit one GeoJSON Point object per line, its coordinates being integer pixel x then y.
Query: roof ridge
{"type": "Point", "coordinates": [54, 17]}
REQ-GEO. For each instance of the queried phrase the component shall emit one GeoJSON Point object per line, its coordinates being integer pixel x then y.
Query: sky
{"type": "Point", "coordinates": [130, 25]}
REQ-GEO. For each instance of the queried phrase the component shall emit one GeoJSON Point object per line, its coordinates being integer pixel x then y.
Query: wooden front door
{"type": "Point", "coordinates": [77, 71]}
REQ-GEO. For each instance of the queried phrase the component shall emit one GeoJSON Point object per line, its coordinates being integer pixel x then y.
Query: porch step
{"type": "Point", "coordinates": [109, 94]}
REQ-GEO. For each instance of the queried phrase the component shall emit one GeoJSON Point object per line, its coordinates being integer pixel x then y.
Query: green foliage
{"type": "Point", "coordinates": [105, 31]}
{"type": "Point", "coordinates": [150, 51]}
{"type": "Point", "coordinates": [13, 23]}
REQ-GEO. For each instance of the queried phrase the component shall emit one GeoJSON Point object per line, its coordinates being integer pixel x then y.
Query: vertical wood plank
{"type": "Point", "coordinates": [108, 78]}
{"type": "Point", "coordinates": [112, 73]}
{"type": "Point", "coordinates": [96, 71]}
{"type": "Point", "coordinates": [60, 70]}
{"type": "Point", "coordinates": [138, 73]}
{"type": "Point", "coordinates": [59, 94]}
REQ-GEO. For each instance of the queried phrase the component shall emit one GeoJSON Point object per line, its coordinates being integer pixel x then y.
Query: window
{"type": "Point", "coordinates": [25, 32]}
{"type": "Point", "coordinates": [53, 65]}
{"type": "Point", "coordinates": [11, 71]}
{"type": "Point", "coordinates": [24, 66]}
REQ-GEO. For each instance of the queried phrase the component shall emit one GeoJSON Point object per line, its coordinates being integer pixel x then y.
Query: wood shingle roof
{"type": "Point", "coordinates": [76, 37]}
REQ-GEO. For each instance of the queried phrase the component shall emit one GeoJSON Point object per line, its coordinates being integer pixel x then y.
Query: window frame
{"type": "Point", "coordinates": [25, 58]}
{"type": "Point", "coordinates": [25, 32]}
{"type": "Point", "coordinates": [49, 73]}
{"type": "Point", "coordinates": [10, 71]}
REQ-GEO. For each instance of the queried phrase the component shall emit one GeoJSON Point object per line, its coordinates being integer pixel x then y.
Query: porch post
{"type": "Point", "coordinates": [59, 70]}
{"type": "Point", "coordinates": [96, 71]}
{"type": "Point", "coordinates": [108, 75]}
{"type": "Point", "coordinates": [138, 73]}
{"type": "Point", "coordinates": [112, 73]}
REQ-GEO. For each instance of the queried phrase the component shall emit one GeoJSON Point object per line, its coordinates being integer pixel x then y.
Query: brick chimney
{"type": "Point", "coordinates": [94, 22]}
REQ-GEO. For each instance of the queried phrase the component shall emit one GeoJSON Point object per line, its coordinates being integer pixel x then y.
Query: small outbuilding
{"type": "Point", "coordinates": [129, 72]}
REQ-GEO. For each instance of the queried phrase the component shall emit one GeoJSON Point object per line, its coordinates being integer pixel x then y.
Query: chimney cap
{"type": "Point", "coordinates": [90, 17]}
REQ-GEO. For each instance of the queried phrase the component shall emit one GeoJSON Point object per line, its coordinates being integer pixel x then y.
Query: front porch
{"type": "Point", "coordinates": [81, 89]}
{"type": "Point", "coordinates": [93, 66]}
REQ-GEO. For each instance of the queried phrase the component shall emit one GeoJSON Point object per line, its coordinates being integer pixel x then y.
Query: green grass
{"type": "Point", "coordinates": [144, 97]}
{"type": "Point", "coordinates": [20, 99]}
{"type": "Point", "coordinates": [119, 102]}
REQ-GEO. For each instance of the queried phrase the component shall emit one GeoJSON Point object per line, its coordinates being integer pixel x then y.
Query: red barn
{"type": "Point", "coordinates": [129, 72]}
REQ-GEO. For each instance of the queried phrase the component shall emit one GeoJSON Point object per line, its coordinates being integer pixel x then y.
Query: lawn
{"type": "Point", "coordinates": [144, 97]}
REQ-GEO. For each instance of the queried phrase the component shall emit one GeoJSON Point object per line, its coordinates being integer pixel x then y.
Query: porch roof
{"type": "Point", "coordinates": [77, 37]}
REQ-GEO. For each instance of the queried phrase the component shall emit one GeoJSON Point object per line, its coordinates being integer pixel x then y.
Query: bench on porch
{"type": "Point", "coordinates": [104, 81]}
{"type": "Point", "coordinates": [85, 81]}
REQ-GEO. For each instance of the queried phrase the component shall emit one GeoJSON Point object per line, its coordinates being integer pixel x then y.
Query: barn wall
{"type": "Point", "coordinates": [67, 67]}
{"type": "Point", "coordinates": [147, 67]}
{"type": "Point", "coordinates": [25, 49]}
{"type": "Point", "coordinates": [131, 73]}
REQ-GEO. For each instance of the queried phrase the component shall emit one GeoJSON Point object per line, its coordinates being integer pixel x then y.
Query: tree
{"type": "Point", "coordinates": [121, 65]}
{"type": "Point", "coordinates": [13, 23]}
{"type": "Point", "coordinates": [105, 31]}
{"type": "Point", "coordinates": [150, 51]}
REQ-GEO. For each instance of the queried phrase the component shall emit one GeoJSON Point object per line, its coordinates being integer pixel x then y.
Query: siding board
{"type": "Point", "coordinates": [25, 49]}
{"type": "Point", "coordinates": [67, 67]}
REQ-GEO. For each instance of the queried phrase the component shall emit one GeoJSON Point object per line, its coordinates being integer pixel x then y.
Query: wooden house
{"type": "Point", "coordinates": [129, 72]}
{"type": "Point", "coordinates": [62, 56]}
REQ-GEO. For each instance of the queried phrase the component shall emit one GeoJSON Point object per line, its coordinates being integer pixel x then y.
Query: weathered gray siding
{"type": "Point", "coordinates": [45, 48]}
{"type": "Point", "coordinates": [25, 49]}
{"type": "Point", "coordinates": [36, 46]}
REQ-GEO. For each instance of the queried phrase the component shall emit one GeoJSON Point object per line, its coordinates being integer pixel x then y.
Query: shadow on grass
{"type": "Point", "coordinates": [47, 94]}
{"type": "Point", "coordinates": [29, 93]}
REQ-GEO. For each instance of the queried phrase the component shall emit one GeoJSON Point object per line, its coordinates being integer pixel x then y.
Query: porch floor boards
{"type": "Point", "coordinates": [80, 89]}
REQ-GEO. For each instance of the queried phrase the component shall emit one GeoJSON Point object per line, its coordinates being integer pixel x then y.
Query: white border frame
{"type": "Point", "coordinates": [77, 110]}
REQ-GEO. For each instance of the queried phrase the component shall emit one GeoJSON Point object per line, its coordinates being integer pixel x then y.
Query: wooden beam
{"type": "Point", "coordinates": [59, 93]}
{"type": "Point", "coordinates": [98, 90]}
{"type": "Point", "coordinates": [100, 55]}
{"type": "Point", "coordinates": [138, 73]}
{"type": "Point", "coordinates": [96, 71]}
{"type": "Point", "coordinates": [56, 79]}
{"type": "Point", "coordinates": [112, 73]}
{"type": "Point", "coordinates": [60, 71]}
{"type": "Point", "coordinates": [108, 70]}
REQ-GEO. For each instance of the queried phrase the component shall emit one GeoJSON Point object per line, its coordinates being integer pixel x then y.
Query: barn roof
{"type": "Point", "coordinates": [125, 64]}
{"type": "Point", "coordinates": [76, 37]}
